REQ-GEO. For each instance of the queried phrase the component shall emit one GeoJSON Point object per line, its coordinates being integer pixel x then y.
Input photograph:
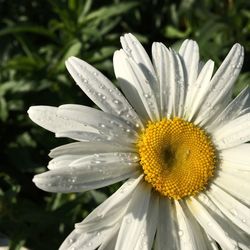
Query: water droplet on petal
{"type": "Point", "coordinates": [180, 233]}
{"type": "Point", "coordinates": [209, 224]}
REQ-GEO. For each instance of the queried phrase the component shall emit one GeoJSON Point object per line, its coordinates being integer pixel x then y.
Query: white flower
{"type": "Point", "coordinates": [178, 139]}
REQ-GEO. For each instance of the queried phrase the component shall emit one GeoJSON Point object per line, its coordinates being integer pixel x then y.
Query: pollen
{"type": "Point", "coordinates": [178, 158]}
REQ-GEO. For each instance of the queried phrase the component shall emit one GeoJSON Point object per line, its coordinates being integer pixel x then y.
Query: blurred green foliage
{"type": "Point", "coordinates": [35, 39]}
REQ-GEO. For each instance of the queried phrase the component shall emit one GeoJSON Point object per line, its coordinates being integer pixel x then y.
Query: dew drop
{"type": "Point", "coordinates": [71, 241]}
{"type": "Point", "coordinates": [180, 233]}
{"type": "Point", "coordinates": [102, 125]}
{"type": "Point", "coordinates": [116, 101]}
{"type": "Point", "coordinates": [95, 73]}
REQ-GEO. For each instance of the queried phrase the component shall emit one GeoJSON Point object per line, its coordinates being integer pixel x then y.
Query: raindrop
{"type": "Point", "coordinates": [89, 244]}
{"type": "Point", "coordinates": [244, 220]}
{"type": "Point", "coordinates": [187, 153]}
{"type": "Point", "coordinates": [102, 125]}
{"type": "Point", "coordinates": [71, 241]}
{"type": "Point", "coordinates": [180, 233]}
{"type": "Point", "coordinates": [116, 101]}
{"type": "Point", "coordinates": [209, 224]}
{"type": "Point", "coordinates": [95, 73]}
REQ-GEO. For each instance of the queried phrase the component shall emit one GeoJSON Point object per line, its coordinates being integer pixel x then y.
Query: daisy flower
{"type": "Point", "coordinates": [178, 141]}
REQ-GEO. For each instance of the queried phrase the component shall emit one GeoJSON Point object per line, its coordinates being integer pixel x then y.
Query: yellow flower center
{"type": "Point", "coordinates": [177, 157]}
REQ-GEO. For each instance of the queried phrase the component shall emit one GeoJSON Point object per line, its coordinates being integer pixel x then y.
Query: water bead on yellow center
{"type": "Point", "coordinates": [178, 158]}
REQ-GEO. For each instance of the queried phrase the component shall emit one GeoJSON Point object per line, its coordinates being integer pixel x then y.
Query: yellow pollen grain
{"type": "Point", "coordinates": [177, 157]}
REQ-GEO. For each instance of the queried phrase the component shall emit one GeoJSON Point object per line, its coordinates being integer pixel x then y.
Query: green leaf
{"type": "Point", "coordinates": [110, 11]}
{"type": "Point", "coordinates": [3, 109]}
{"type": "Point", "coordinates": [72, 50]}
{"type": "Point", "coordinates": [172, 32]}
{"type": "Point", "coordinates": [25, 28]}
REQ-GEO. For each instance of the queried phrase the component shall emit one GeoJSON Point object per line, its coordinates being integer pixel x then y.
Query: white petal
{"type": "Point", "coordinates": [189, 51]}
{"type": "Point", "coordinates": [161, 62]}
{"type": "Point", "coordinates": [189, 232]}
{"type": "Point", "coordinates": [48, 118]}
{"type": "Point", "coordinates": [134, 219]}
{"type": "Point", "coordinates": [86, 174]}
{"type": "Point", "coordinates": [111, 210]}
{"type": "Point", "coordinates": [87, 241]}
{"type": "Point", "coordinates": [146, 238]}
{"type": "Point", "coordinates": [84, 136]}
{"type": "Point", "coordinates": [135, 86]}
{"type": "Point", "coordinates": [100, 90]}
{"type": "Point", "coordinates": [239, 188]}
{"type": "Point", "coordinates": [236, 158]}
{"type": "Point", "coordinates": [238, 213]}
{"type": "Point", "coordinates": [199, 90]}
{"type": "Point", "coordinates": [221, 85]}
{"type": "Point", "coordinates": [233, 133]}
{"type": "Point", "coordinates": [171, 76]}
{"type": "Point", "coordinates": [105, 158]}
{"type": "Point", "coordinates": [235, 108]}
{"type": "Point", "coordinates": [135, 50]}
{"type": "Point", "coordinates": [209, 224]}
{"type": "Point", "coordinates": [83, 161]}
{"type": "Point", "coordinates": [235, 235]}
{"type": "Point", "coordinates": [105, 123]}
{"type": "Point", "coordinates": [86, 148]}
{"type": "Point", "coordinates": [110, 241]}
{"type": "Point", "coordinates": [62, 161]}
{"type": "Point", "coordinates": [166, 228]}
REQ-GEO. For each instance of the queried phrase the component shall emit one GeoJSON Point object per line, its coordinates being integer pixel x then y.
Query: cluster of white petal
{"type": "Point", "coordinates": [173, 84]}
